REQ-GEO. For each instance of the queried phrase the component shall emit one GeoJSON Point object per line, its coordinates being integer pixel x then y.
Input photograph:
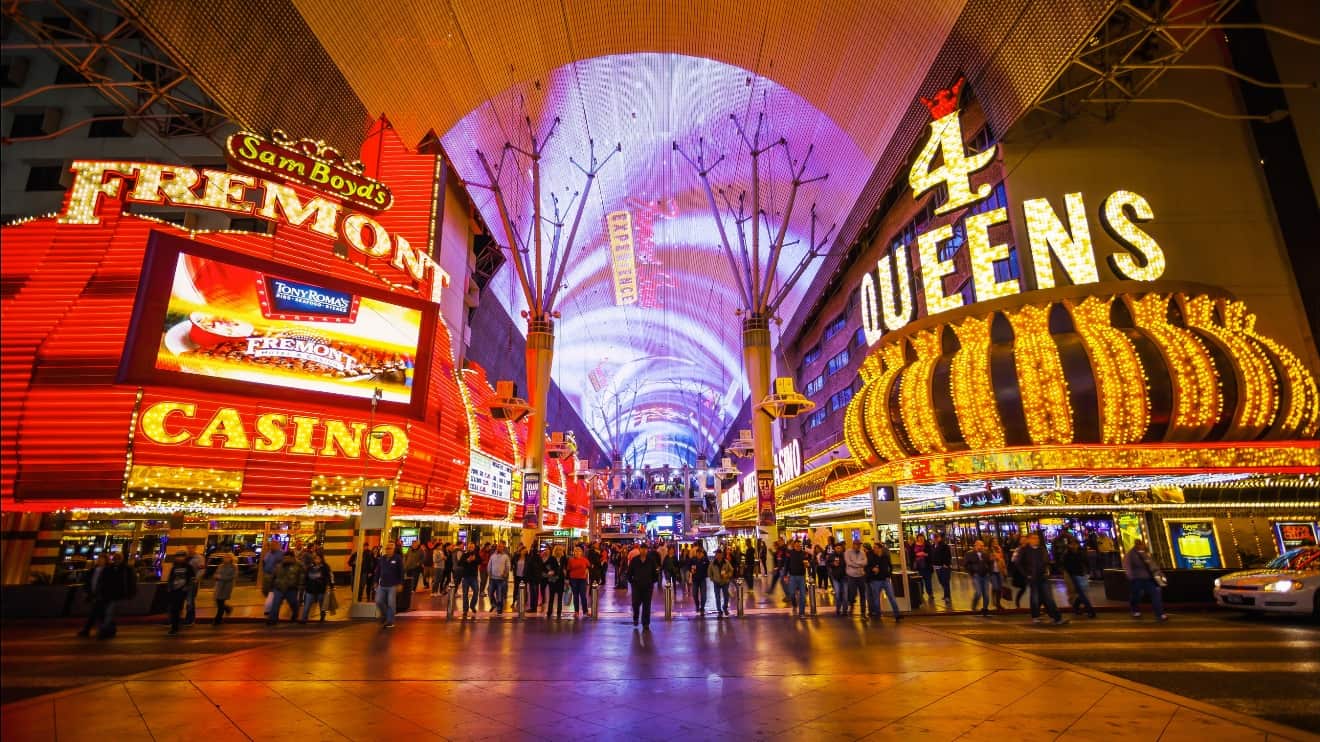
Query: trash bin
{"type": "Point", "coordinates": [914, 587]}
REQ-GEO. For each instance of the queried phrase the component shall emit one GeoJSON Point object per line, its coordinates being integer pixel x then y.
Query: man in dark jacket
{"type": "Point", "coordinates": [977, 563]}
{"type": "Point", "coordinates": [941, 558]}
{"type": "Point", "coordinates": [1035, 566]}
{"type": "Point", "coordinates": [879, 571]}
{"type": "Point", "coordinates": [389, 576]}
{"type": "Point", "coordinates": [643, 573]}
{"type": "Point", "coordinates": [1075, 569]}
{"type": "Point", "coordinates": [286, 583]}
{"type": "Point", "coordinates": [178, 578]}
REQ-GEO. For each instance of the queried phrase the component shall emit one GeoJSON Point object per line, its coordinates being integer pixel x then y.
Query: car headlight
{"type": "Point", "coordinates": [1283, 586]}
{"type": "Point", "coordinates": [1216, 582]}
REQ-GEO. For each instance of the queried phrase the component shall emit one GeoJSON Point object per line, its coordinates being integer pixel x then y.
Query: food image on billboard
{"type": "Point", "coordinates": [240, 324]}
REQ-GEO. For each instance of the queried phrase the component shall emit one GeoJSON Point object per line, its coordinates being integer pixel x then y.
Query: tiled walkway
{"type": "Point", "coordinates": [765, 676]}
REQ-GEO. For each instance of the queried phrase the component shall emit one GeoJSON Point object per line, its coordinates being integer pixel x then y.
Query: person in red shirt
{"type": "Point", "coordinates": [578, 570]}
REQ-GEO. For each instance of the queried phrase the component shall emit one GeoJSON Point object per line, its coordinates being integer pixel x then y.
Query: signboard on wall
{"type": "Point", "coordinates": [1292, 534]}
{"type": "Point", "coordinates": [531, 496]}
{"type": "Point", "coordinates": [1194, 543]}
{"type": "Point", "coordinates": [375, 508]}
{"type": "Point", "coordinates": [765, 498]}
{"type": "Point", "coordinates": [489, 477]}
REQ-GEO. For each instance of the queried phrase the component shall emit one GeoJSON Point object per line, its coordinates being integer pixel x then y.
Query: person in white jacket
{"type": "Point", "coordinates": [854, 563]}
{"type": "Point", "coordinates": [497, 570]}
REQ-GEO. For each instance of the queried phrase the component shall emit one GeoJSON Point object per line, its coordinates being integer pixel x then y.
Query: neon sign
{"type": "Point", "coordinates": [219, 190]}
{"type": "Point", "coordinates": [886, 294]}
{"type": "Point", "coordinates": [310, 163]}
{"type": "Point", "coordinates": [176, 423]}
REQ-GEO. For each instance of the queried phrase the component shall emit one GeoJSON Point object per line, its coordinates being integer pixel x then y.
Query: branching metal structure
{"type": "Point", "coordinates": [540, 271]}
{"type": "Point", "coordinates": [756, 274]}
{"type": "Point", "coordinates": [1136, 45]}
{"type": "Point", "coordinates": [120, 64]}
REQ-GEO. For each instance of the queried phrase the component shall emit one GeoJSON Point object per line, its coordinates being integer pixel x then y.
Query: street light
{"type": "Point", "coordinates": [785, 401]}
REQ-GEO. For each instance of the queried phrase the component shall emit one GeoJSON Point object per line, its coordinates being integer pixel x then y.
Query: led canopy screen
{"type": "Point", "coordinates": [240, 324]}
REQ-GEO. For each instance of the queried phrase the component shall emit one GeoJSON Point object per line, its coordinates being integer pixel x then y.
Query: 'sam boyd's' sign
{"type": "Point", "coordinates": [887, 295]}
{"type": "Point", "coordinates": [310, 163]}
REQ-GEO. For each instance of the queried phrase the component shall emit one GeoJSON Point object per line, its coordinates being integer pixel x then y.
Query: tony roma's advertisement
{"type": "Point", "coordinates": [240, 324]}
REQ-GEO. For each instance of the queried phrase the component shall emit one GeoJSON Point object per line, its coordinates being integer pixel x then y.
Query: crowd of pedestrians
{"type": "Point", "coordinates": [857, 578]}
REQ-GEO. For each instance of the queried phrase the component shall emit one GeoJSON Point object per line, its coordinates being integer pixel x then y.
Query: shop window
{"type": "Point", "coordinates": [13, 72]}
{"type": "Point", "coordinates": [27, 124]}
{"type": "Point", "coordinates": [108, 127]}
{"type": "Point", "coordinates": [815, 385]}
{"type": "Point", "coordinates": [812, 355]}
{"type": "Point", "coordinates": [836, 326]}
{"type": "Point", "coordinates": [837, 363]}
{"type": "Point", "coordinates": [840, 399]}
{"type": "Point", "coordinates": [45, 178]}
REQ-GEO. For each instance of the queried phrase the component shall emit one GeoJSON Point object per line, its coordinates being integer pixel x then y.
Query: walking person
{"type": "Point", "coordinates": [941, 560]}
{"type": "Point", "coordinates": [1075, 569]}
{"type": "Point", "coordinates": [879, 579]}
{"type": "Point", "coordinates": [389, 580]}
{"type": "Point", "coordinates": [534, 576]}
{"type": "Point", "coordinates": [920, 554]}
{"type": "Point", "coordinates": [198, 563]}
{"type": "Point", "coordinates": [285, 584]}
{"type": "Point", "coordinates": [1144, 577]}
{"type": "Point", "coordinates": [178, 578]}
{"type": "Point", "coordinates": [761, 552]}
{"type": "Point", "coordinates": [721, 574]}
{"type": "Point", "coordinates": [412, 565]}
{"type": "Point", "coordinates": [799, 561]}
{"type": "Point", "coordinates": [1035, 566]}
{"type": "Point", "coordinates": [979, 564]}
{"type": "Point", "coordinates": [854, 567]}
{"type": "Point", "coordinates": [838, 570]}
{"type": "Point", "coordinates": [317, 581]}
{"type": "Point", "coordinates": [556, 571]}
{"type": "Point", "coordinates": [225, 575]}
{"type": "Point", "coordinates": [642, 573]}
{"type": "Point", "coordinates": [1016, 577]}
{"type": "Point", "coordinates": [468, 564]}
{"type": "Point", "coordinates": [578, 570]}
{"type": "Point", "coordinates": [998, 572]}
{"type": "Point", "coordinates": [699, 570]}
{"type": "Point", "coordinates": [96, 589]}
{"type": "Point", "coordinates": [497, 569]}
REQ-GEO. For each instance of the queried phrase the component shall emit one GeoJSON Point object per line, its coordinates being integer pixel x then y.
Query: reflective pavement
{"type": "Point", "coordinates": [767, 676]}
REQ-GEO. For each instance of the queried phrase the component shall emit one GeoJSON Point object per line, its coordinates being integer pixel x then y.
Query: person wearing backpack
{"type": "Point", "coordinates": [1144, 576]}
{"type": "Point", "coordinates": [178, 578]}
{"type": "Point", "coordinates": [285, 584]}
{"type": "Point", "coordinates": [225, 574]}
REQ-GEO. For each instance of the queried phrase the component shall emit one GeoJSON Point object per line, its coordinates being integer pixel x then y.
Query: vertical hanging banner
{"type": "Point", "coordinates": [765, 498]}
{"type": "Point", "coordinates": [531, 496]}
{"type": "Point", "coordinates": [623, 260]}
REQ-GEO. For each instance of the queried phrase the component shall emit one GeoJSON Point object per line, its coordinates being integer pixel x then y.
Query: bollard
{"type": "Point", "coordinates": [451, 602]}
{"type": "Point", "coordinates": [811, 597]}
{"type": "Point", "coordinates": [738, 587]}
{"type": "Point", "coordinates": [595, 601]}
{"type": "Point", "coordinates": [669, 601]}
{"type": "Point", "coordinates": [522, 599]}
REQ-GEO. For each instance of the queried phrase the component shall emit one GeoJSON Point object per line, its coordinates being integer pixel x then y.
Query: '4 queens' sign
{"type": "Point", "coordinates": [887, 297]}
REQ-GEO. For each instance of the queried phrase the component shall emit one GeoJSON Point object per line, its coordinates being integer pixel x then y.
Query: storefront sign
{"type": "Point", "coordinates": [238, 193]}
{"type": "Point", "coordinates": [556, 498]}
{"type": "Point", "coordinates": [489, 477]}
{"type": "Point", "coordinates": [788, 462]}
{"type": "Point", "coordinates": [1292, 534]}
{"type": "Point", "coordinates": [887, 297]}
{"type": "Point", "coordinates": [983, 499]}
{"type": "Point", "coordinates": [309, 163]}
{"type": "Point", "coordinates": [179, 424]}
{"type": "Point", "coordinates": [765, 498]}
{"type": "Point", "coordinates": [1194, 543]}
{"type": "Point", "coordinates": [623, 260]}
{"type": "Point", "coordinates": [531, 497]}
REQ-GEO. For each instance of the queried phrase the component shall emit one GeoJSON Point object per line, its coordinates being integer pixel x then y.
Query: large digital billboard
{"type": "Point", "coordinates": [224, 321]}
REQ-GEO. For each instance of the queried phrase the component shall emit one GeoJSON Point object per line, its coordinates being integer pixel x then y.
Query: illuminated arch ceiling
{"type": "Point", "coordinates": [837, 75]}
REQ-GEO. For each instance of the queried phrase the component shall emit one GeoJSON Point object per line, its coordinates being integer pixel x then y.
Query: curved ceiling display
{"type": "Point", "coordinates": [656, 372]}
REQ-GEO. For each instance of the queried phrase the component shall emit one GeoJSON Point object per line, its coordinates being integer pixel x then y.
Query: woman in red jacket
{"type": "Point", "coordinates": [578, 570]}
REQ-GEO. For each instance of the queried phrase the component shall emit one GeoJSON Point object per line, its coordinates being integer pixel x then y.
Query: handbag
{"type": "Point", "coordinates": [331, 602]}
{"type": "Point", "coordinates": [1161, 580]}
